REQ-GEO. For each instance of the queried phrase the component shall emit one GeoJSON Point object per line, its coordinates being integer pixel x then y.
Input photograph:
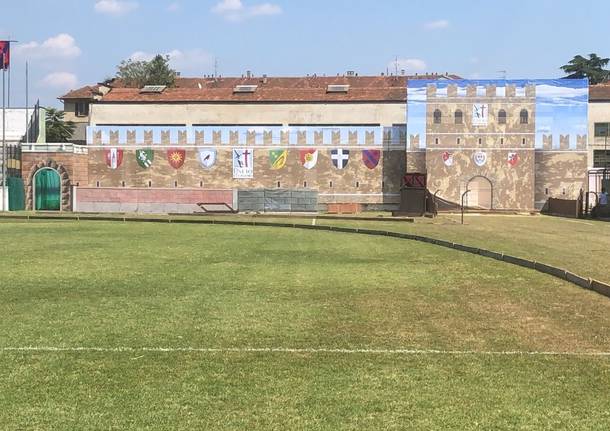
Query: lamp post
{"type": "Point", "coordinates": [463, 196]}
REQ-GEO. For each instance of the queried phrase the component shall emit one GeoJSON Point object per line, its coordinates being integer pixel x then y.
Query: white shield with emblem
{"type": "Point", "coordinates": [207, 157]}
{"type": "Point", "coordinates": [480, 158]}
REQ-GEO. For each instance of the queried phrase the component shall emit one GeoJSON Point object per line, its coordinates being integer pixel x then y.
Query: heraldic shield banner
{"type": "Point", "coordinates": [145, 157]}
{"type": "Point", "coordinates": [207, 157]}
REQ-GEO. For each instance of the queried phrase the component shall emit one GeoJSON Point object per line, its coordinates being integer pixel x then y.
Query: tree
{"type": "Point", "coordinates": [159, 72]}
{"type": "Point", "coordinates": [57, 129]}
{"type": "Point", "coordinates": [592, 68]}
{"type": "Point", "coordinates": [141, 73]}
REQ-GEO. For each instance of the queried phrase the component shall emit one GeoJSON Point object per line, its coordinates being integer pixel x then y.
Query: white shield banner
{"type": "Point", "coordinates": [480, 158]}
{"type": "Point", "coordinates": [207, 157]}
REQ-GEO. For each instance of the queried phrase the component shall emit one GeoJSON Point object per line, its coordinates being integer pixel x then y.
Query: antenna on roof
{"type": "Point", "coordinates": [215, 67]}
{"type": "Point", "coordinates": [396, 65]}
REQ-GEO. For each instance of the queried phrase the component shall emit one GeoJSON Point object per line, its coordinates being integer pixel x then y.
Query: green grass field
{"type": "Point", "coordinates": [493, 346]}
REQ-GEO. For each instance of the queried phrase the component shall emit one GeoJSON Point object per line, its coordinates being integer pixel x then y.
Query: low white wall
{"type": "Point", "coordinates": [4, 195]}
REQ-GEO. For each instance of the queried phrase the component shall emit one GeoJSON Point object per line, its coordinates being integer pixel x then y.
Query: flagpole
{"type": "Point", "coordinates": [8, 95]}
{"type": "Point", "coordinates": [27, 117]}
{"type": "Point", "coordinates": [4, 191]}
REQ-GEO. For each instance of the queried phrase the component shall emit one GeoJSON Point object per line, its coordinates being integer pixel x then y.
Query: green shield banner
{"type": "Point", "coordinates": [145, 157]}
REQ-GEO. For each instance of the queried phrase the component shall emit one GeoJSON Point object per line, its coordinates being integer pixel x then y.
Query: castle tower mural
{"type": "Point", "coordinates": [494, 139]}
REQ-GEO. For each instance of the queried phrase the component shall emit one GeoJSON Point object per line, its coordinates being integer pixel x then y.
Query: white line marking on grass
{"type": "Point", "coordinates": [297, 350]}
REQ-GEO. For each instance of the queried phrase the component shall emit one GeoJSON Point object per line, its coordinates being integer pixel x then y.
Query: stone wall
{"type": "Point", "coordinates": [512, 186]}
{"type": "Point", "coordinates": [560, 174]}
{"type": "Point", "coordinates": [73, 169]}
{"type": "Point", "coordinates": [354, 183]}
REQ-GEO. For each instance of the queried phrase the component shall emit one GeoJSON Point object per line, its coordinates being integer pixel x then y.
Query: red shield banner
{"type": "Point", "coordinates": [176, 157]}
{"type": "Point", "coordinates": [309, 158]}
{"type": "Point", "coordinates": [512, 159]}
{"type": "Point", "coordinates": [371, 158]}
{"type": "Point", "coordinates": [5, 54]}
{"type": "Point", "coordinates": [114, 157]}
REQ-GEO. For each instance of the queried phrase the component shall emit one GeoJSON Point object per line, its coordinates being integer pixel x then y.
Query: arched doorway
{"type": "Point", "coordinates": [47, 190]}
{"type": "Point", "coordinates": [481, 193]}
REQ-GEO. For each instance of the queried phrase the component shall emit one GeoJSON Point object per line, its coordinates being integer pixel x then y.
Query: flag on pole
{"type": "Point", "coordinates": [5, 54]}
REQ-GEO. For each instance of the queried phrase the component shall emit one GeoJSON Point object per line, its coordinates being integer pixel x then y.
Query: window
{"type": "Point", "coordinates": [435, 141]}
{"type": "Point", "coordinates": [278, 184]}
{"type": "Point", "coordinates": [82, 109]}
{"type": "Point", "coordinates": [480, 141]}
{"type": "Point", "coordinates": [149, 183]}
{"type": "Point", "coordinates": [601, 129]}
{"type": "Point", "coordinates": [501, 141]}
{"type": "Point", "coordinates": [523, 116]}
{"type": "Point", "coordinates": [523, 142]}
{"type": "Point", "coordinates": [601, 158]}
{"type": "Point", "coordinates": [357, 184]}
{"type": "Point", "coordinates": [175, 183]}
{"type": "Point", "coordinates": [331, 184]}
{"type": "Point", "coordinates": [305, 184]}
{"type": "Point", "coordinates": [200, 183]}
{"type": "Point", "coordinates": [502, 116]}
{"type": "Point", "coordinates": [546, 191]}
{"type": "Point", "coordinates": [458, 141]}
{"type": "Point", "coordinates": [459, 117]}
{"type": "Point", "coordinates": [437, 116]}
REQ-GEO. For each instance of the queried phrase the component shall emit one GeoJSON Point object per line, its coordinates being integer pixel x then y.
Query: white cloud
{"type": "Point", "coordinates": [173, 7]}
{"type": "Point", "coordinates": [61, 46]}
{"type": "Point", "coordinates": [409, 65]}
{"type": "Point", "coordinates": [185, 61]}
{"type": "Point", "coordinates": [235, 10]}
{"type": "Point", "coordinates": [115, 7]}
{"type": "Point", "coordinates": [60, 80]}
{"type": "Point", "coordinates": [436, 25]}
{"type": "Point", "coordinates": [265, 9]}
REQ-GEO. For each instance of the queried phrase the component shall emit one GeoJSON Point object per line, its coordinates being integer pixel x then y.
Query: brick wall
{"type": "Point", "coordinates": [148, 200]}
{"type": "Point", "coordinates": [75, 164]}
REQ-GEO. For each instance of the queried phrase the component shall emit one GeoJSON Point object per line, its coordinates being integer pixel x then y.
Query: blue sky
{"type": "Point", "coordinates": [70, 43]}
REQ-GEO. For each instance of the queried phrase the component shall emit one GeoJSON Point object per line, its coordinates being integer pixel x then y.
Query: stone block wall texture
{"type": "Point", "coordinates": [73, 170]}
{"type": "Point", "coordinates": [77, 165]}
{"type": "Point", "coordinates": [512, 186]}
{"type": "Point", "coordinates": [354, 183]}
{"type": "Point", "coordinates": [560, 175]}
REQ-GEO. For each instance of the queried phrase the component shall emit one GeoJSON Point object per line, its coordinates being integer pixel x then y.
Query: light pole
{"type": "Point", "coordinates": [463, 196]}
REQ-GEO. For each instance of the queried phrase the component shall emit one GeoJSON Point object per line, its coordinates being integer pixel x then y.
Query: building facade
{"type": "Point", "coordinates": [349, 139]}
{"type": "Point", "coordinates": [599, 141]}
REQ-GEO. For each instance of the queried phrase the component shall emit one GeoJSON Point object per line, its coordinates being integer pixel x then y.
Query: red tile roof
{"type": "Point", "coordinates": [599, 92]}
{"type": "Point", "coordinates": [272, 89]}
{"type": "Point", "coordinates": [86, 92]}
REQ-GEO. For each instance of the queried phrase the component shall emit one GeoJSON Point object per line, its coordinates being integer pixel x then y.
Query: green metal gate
{"type": "Point", "coordinates": [47, 190]}
{"type": "Point", "coordinates": [16, 194]}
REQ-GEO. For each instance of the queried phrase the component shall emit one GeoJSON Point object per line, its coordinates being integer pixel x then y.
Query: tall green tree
{"type": "Point", "coordinates": [57, 128]}
{"type": "Point", "coordinates": [140, 73]}
{"type": "Point", "coordinates": [592, 68]}
{"type": "Point", "coordinates": [159, 72]}
{"type": "Point", "coordinates": [133, 73]}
